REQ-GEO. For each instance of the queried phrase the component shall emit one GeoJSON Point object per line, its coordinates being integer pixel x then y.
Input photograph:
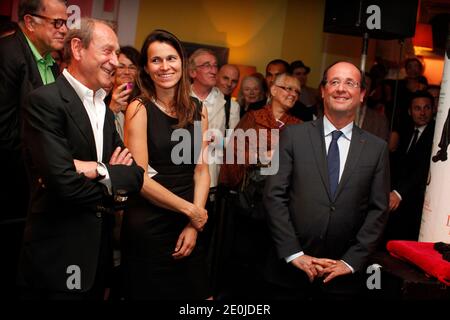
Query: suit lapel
{"type": "Point", "coordinates": [34, 75]}
{"type": "Point", "coordinates": [318, 145]}
{"type": "Point", "coordinates": [78, 113]}
{"type": "Point", "coordinates": [356, 146]}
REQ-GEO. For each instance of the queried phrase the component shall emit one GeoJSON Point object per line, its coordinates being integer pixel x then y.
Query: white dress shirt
{"type": "Point", "coordinates": [96, 110]}
{"type": "Point", "coordinates": [344, 146]}
{"type": "Point", "coordinates": [214, 104]}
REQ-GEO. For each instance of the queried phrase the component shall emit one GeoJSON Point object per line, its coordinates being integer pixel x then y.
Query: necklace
{"type": "Point", "coordinates": [163, 106]}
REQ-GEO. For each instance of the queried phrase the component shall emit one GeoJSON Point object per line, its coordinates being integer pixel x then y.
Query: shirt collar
{"type": "Point", "coordinates": [47, 60]}
{"type": "Point", "coordinates": [81, 90]}
{"type": "Point", "coordinates": [328, 127]}
{"type": "Point", "coordinates": [211, 96]}
{"type": "Point", "coordinates": [421, 129]}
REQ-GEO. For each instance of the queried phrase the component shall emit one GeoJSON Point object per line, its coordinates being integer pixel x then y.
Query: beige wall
{"type": "Point", "coordinates": [255, 31]}
{"type": "Point", "coordinates": [252, 29]}
{"type": "Point", "coordinates": [303, 36]}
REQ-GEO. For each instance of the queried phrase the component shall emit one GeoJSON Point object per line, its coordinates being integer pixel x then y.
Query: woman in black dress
{"type": "Point", "coordinates": [161, 256]}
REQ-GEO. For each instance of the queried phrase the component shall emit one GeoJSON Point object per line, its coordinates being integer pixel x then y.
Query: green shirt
{"type": "Point", "coordinates": [43, 64]}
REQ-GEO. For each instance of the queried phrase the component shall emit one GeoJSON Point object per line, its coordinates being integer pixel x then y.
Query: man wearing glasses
{"type": "Point", "coordinates": [25, 64]}
{"type": "Point", "coordinates": [203, 70]}
{"type": "Point", "coordinates": [327, 205]}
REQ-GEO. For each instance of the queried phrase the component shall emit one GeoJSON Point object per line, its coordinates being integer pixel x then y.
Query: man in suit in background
{"type": "Point", "coordinates": [25, 64]}
{"type": "Point", "coordinates": [327, 205]}
{"type": "Point", "coordinates": [410, 170]}
{"type": "Point", "coordinates": [79, 172]}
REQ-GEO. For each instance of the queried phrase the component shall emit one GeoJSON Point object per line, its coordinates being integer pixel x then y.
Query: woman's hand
{"type": "Point", "coordinates": [119, 98]}
{"type": "Point", "coordinates": [186, 242]}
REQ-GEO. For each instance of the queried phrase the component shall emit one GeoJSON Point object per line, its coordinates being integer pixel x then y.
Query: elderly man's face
{"type": "Point", "coordinates": [205, 72]}
{"type": "Point", "coordinates": [98, 62]}
{"type": "Point", "coordinates": [48, 36]}
{"type": "Point", "coordinates": [227, 79]}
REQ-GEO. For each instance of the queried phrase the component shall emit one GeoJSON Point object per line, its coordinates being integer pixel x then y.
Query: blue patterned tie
{"type": "Point", "coordinates": [333, 162]}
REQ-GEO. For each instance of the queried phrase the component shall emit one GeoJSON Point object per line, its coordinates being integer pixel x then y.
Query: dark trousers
{"type": "Point", "coordinates": [14, 191]}
{"type": "Point", "coordinates": [11, 234]}
{"type": "Point", "coordinates": [102, 276]}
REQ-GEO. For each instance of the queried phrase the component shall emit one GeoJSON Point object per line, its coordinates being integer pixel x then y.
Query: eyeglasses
{"type": "Point", "coordinates": [208, 66]}
{"type": "Point", "coordinates": [57, 23]}
{"type": "Point", "coordinates": [131, 68]}
{"type": "Point", "coordinates": [349, 84]}
{"type": "Point", "coordinates": [289, 89]}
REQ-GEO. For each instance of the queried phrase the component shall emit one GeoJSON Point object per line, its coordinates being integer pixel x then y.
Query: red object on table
{"type": "Point", "coordinates": [423, 255]}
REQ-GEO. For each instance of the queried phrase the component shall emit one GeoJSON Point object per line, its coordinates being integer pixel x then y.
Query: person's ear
{"type": "Point", "coordinates": [192, 73]}
{"type": "Point", "coordinates": [29, 22]}
{"type": "Point", "coordinates": [363, 94]}
{"type": "Point", "coordinates": [273, 90]}
{"type": "Point", "coordinates": [77, 48]}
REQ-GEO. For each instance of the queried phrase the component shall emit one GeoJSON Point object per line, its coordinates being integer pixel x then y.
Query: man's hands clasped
{"type": "Point", "coordinates": [321, 267]}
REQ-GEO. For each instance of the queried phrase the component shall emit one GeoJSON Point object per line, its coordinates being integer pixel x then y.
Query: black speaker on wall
{"type": "Point", "coordinates": [381, 19]}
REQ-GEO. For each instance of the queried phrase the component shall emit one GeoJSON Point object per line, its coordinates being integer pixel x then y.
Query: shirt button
{"type": "Point", "coordinates": [98, 214]}
{"type": "Point", "coordinates": [333, 208]}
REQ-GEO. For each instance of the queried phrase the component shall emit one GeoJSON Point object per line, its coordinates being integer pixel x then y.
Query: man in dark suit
{"type": "Point", "coordinates": [79, 172]}
{"type": "Point", "coordinates": [25, 64]}
{"type": "Point", "coordinates": [327, 205]}
{"type": "Point", "coordinates": [410, 170]}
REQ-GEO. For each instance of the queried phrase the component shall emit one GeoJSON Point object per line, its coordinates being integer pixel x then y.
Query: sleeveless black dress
{"type": "Point", "coordinates": [150, 233]}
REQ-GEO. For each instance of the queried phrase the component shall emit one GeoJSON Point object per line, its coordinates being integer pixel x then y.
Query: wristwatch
{"type": "Point", "coordinates": [101, 171]}
{"type": "Point", "coordinates": [120, 196]}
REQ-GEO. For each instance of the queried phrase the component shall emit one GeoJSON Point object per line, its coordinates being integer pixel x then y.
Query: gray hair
{"type": "Point", "coordinates": [84, 33]}
{"type": "Point", "coordinates": [197, 53]}
{"type": "Point", "coordinates": [282, 76]}
{"type": "Point", "coordinates": [240, 97]}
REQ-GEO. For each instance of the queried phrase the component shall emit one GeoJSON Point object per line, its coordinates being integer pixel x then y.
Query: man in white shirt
{"type": "Point", "coordinates": [203, 71]}
{"type": "Point", "coordinates": [80, 172]}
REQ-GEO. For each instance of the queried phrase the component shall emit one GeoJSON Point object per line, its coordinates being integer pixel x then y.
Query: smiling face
{"type": "Point", "coordinates": [252, 91]}
{"type": "Point", "coordinates": [164, 65]}
{"type": "Point", "coordinates": [205, 72]}
{"type": "Point", "coordinates": [45, 36]}
{"type": "Point", "coordinates": [227, 79]}
{"type": "Point", "coordinates": [285, 91]}
{"type": "Point", "coordinates": [342, 100]}
{"type": "Point", "coordinates": [126, 70]}
{"type": "Point", "coordinates": [97, 62]}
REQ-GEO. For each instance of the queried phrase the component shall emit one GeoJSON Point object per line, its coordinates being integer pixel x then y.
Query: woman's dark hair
{"type": "Point", "coordinates": [183, 105]}
{"type": "Point", "coordinates": [131, 53]}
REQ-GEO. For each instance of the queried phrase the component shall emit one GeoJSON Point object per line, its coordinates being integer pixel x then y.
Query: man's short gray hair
{"type": "Point", "coordinates": [84, 33]}
{"type": "Point", "coordinates": [199, 52]}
